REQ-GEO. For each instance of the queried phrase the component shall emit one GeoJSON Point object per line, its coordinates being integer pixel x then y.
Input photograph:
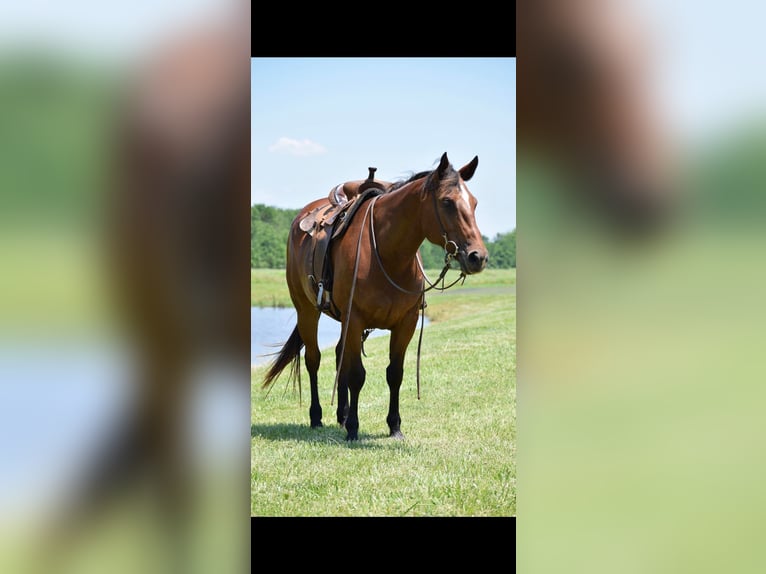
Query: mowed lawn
{"type": "Point", "coordinates": [458, 458]}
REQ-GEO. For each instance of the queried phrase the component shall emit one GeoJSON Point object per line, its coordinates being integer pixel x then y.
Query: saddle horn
{"type": "Point", "coordinates": [370, 181]}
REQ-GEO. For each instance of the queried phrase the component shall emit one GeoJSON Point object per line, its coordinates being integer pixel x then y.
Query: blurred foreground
{"type": "Point", "coordinates": [641, 362]}
{"type": "Point", "coordinates": [124, 358]}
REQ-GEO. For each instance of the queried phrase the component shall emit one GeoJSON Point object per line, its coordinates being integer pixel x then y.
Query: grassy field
{"type": "Point", "coordinates": [459, 455]}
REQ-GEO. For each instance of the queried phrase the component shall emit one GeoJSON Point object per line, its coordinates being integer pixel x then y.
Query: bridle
{"type": "Point", "coordinates": [448, 257]}
{"type": "Point", "coordinates": [447, 242]}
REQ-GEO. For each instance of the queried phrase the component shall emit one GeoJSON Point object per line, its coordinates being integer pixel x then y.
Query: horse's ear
{"type": "Point", "coordinates": [466, 172]}
{"type": "Point", "coordinates": [443, 165]}
{"type": "Point", "coordinates": [433, 180]}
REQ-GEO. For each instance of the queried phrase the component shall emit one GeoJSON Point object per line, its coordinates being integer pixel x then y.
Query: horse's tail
{"type": "Point", "coordinates": [290, 353]}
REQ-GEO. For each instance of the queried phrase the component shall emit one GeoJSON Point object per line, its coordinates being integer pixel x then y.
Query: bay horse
{"type": "Point", "coordinates": [378, 282]}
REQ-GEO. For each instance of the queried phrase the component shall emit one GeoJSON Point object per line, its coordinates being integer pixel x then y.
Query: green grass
{"type": "Point", "coordinates": [268, 288]}
{"type": "Point", "coordinates": [459, 455]}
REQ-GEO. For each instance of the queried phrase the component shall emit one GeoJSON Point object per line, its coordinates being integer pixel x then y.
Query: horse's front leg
{"type": "Point", "coordinates": [351, 378]}
{"type": "Point", "coordinates": [400, 339]}
{"type": "Point", "coordinates": [342, 411]}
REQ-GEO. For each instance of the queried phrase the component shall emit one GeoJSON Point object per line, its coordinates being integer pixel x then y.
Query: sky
{"type": "Point", "coordinates": [317, 122]}
{"type": "Point", "coordinates": [401, 115]}
{"type": "Point", "coordinates": [98, 29]}
{"type": "Point", "coordinates": [711, 60]}
{"type": "Point", "coordinates": [713, 53]}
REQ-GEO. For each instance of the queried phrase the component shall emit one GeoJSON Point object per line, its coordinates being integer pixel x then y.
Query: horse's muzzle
{"type": "Point", "coordinates": [474, 261]}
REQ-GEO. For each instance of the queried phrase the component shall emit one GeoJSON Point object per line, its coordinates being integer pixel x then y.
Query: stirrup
{"type": "Point", "coordinates": [320, 294]}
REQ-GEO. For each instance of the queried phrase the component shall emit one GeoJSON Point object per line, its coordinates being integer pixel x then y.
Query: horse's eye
{"type": "Point", "coordinates": [448, 203]}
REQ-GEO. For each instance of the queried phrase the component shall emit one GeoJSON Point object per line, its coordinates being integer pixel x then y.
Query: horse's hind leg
{"type": "Point", "coordinates": [308, 321]}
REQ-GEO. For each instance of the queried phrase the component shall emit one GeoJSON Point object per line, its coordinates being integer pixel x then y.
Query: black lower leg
{"type": "Point", "coordinates": [342, 411]}
{"type": "Point", "coordinates": [394, 374]}
{"type": "Point", "coordinates": [315, 414]}
{"type": "Point", "coordinates": [356, 382]}
{"type": "Point", "coordinates": [315, 409]}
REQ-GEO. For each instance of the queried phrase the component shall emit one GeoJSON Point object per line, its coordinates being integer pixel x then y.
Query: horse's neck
{"type": "Point", "coordinates": [398, 228]}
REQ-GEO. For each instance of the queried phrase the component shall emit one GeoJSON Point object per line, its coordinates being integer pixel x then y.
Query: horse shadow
{"type": "Point", "coordinates": [294, 432]}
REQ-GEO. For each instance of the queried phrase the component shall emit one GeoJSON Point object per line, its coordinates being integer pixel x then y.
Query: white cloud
{"type": "Point", "coordinates": [304, 147]}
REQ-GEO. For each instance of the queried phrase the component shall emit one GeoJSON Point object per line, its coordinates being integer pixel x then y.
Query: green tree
{"type": "Point", "coordinates": [432, 255]}
{"type": "Point", "coordinates": [502, 250]}
{"type": "Point", "coordinates": [269, 229]}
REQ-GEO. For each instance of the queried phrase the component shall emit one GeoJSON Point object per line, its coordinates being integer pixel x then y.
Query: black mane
{"type": "Point", "coordinates": [413, 177]}
{"type": "Point", "coordinates": [448, 176]}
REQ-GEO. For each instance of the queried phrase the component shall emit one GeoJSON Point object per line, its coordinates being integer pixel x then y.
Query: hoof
{"type": "Point", "coordinates": [317, 425]}
{"type": "Point", "coordinates": [352, 436]}
{"type": "Point", "coordinates": [397, 434]}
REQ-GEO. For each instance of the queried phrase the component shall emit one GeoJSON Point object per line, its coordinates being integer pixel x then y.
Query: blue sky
{"type": "Point", "coordinates": [96, 29]}
{"type": "Point", "coordinates": [317, 122]}
{"type": "Point", "coordinates": [712, 57]}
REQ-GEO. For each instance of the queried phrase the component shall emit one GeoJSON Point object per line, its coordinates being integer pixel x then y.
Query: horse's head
{"type": "Point", "coordinates": [450, 221]}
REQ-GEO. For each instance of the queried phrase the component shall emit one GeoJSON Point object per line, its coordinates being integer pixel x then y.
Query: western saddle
{"type": "Point", "coordinates": [328, 222]}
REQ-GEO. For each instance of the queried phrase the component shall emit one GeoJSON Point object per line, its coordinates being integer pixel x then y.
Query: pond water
{"type": "Point", "coordinates": [271, 326]}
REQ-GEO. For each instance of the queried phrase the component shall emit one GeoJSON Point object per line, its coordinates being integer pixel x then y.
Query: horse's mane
{"type": "Point", "coordinates": [402, 182]}
{"type": "Point", "coordinates": [415, 176]}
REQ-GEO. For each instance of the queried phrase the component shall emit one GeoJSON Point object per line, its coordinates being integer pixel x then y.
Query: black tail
{"type": "Point", "coordinates": [290, 353]}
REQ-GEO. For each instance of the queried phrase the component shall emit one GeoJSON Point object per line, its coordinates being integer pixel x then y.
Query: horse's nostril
{"type": "Point", "coordinates": [476, 258]}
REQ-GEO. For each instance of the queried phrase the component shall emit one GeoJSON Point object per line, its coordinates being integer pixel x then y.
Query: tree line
{"type": "Point", "coordinates": [269, 228]}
